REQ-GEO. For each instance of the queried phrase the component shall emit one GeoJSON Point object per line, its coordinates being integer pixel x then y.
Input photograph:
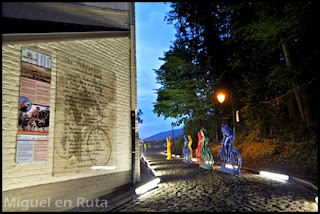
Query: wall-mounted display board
{"type": "Point", "coordinates": [35, 89]}
{"type": "Point", "coordinates": [32, 149]}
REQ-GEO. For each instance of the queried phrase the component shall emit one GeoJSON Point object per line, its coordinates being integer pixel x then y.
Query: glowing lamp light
{"type": "Point", "coordinates": [274, 175]}
{"type": "Point", "coordinates": [316, 199]}
{"type": "Point", "coordinates": [221, 98]}
{"type": "Point", "coordinates": [194, 159]}
{"type": "Point", "coordinates": [148, 186]}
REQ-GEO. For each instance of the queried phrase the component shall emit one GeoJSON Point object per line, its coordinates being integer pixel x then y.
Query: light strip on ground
{"type": "Point", "coordinates": [209, 162]}
{"type": "Point", "coordinates": [274, 175]}
{"type": "Point", "coordinates": [148, 186]}
{"type": "Point", "coordinates": [229, 166]}
{"type": "Point", "coordinates": [104, 167]}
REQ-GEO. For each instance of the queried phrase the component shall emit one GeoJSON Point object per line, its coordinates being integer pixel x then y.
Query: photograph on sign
{"type": "Point", "coordinates": [34, 120]}
{"type": "Point", "coordinates": [35, 72]}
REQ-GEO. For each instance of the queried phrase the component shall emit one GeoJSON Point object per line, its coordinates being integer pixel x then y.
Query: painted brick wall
{"type": "Point", "coordinates": [36, 181]}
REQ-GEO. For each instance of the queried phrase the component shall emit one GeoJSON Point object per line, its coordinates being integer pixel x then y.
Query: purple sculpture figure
{"type": "Point", "coordinates": [228, 137]}
{"type": "Point", "coordinates": [228, 154]}
{"type": "Point", "coordinates": [186, 151]}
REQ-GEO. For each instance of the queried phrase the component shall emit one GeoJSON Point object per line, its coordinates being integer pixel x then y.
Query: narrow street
{"type": "Point", "coordinates": [187, 187]}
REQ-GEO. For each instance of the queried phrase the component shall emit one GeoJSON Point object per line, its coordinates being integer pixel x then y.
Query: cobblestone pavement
{"type": "Point", "coordinates": [187, 187]}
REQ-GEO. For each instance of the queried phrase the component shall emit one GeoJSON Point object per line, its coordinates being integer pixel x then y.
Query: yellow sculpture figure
{"type": "Point", "coordinates": [189, 145]}
{"type": "Point", "coordinates": [169, 145]}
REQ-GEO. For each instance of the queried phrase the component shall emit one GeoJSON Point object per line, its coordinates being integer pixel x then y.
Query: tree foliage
{"type": "Point", "coordinates": [256, 51]}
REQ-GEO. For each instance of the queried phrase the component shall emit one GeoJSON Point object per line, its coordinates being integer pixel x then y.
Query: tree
{"type": "Point", "coordinates": [277, 31]}
{"type": "Point", "coordinates": [177, 95]}
{"type": "Point", "coordinates": [256, 50]}
{"type": "Point", "coordinates": [191, 65]}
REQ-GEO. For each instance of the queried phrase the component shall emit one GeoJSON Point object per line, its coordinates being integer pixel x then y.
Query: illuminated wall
{"type": "Point", "coordinates": [90, 104]}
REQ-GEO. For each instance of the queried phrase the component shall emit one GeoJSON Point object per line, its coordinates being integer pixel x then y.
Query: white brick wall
{"type": "Point", "coordinates": [32, 181]}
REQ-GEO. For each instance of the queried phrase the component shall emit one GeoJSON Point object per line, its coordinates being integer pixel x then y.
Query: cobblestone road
{"type": "Point", "coordinates": [187, 187]}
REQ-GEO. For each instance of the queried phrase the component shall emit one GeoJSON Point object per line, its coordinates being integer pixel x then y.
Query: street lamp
{"type": "Point", "coordinates": [221, 97]}
{"type": "Point", "coordinates": [172, 124]}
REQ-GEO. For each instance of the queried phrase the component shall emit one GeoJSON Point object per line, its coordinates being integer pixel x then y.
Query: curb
{"type": "Point", "coordinates": [132, 195]}
{"type": "Point", "coordinates": [308, 185]}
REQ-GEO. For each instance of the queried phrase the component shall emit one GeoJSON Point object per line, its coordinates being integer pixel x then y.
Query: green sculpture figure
{"type": "Point", "coordinates": [169, 145]}
{"type": "Point", "coordinates": [206, 156]}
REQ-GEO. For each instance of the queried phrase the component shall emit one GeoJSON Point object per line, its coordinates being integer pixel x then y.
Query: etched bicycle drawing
{"type": "Point", "coordinates": [86, 134]}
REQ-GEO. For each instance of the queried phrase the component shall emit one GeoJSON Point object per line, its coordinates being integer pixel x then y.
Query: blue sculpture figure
{"type": "Point", "coordinates": [228, 154]}
{"type": "Point", "coordinates": [228, 137]}
{"type": "Point", "coordinates": [186, 151]}
{"type": "Point", "coordinates": [206, 156]}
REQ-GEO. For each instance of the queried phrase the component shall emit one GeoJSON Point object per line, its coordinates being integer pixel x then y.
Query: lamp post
{"type": "Point", "coordinates": [233, 117]}
{"type": "Point", "coordinates": [221, 98]}
{"type": "Point", "coordinates": [172, 124]}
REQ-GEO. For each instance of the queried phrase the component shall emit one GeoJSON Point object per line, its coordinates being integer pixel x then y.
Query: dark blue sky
{"type": "Point", "coordinates": [153, 37]}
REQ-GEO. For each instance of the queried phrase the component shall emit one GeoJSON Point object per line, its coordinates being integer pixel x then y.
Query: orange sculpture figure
{"type": "Point", "coordinates": [169, 145]}
{"type": "Point", "coordinates": [199, 147]}
{"type": "Point", "coordinates": [189, 146]}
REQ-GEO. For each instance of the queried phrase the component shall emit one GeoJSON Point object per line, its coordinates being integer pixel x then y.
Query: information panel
{"type": "Point", "coordinates": [32, 149]}
{"type": "Point", "coordinates": [35, 85]}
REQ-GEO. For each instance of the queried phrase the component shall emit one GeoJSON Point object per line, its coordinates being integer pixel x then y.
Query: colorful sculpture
{"type": "Point", "coordinates": [169, 145]}
{"type": "Point", "coordinates": [227, 154]}
{"type": "Point", "coordinates": [206, 156]}
{"type": "Point", "coordinates": [198, 148]}
{"type": "Point", "coordinates": [145, 147]}
{"type": "Point", "coordinates": [186, 151]}
{"type": "Point", "coordinates": [228, 137]}
{"type": "Point", "coordinates": [189, 146]}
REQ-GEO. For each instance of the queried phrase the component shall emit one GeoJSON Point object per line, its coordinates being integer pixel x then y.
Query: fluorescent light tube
{"type": "Point", "coordinates": [148, 186]}
{"type": "Point", "coordinates": [274, 175]}
{"type": "Point", "coordinates": [104, 167]}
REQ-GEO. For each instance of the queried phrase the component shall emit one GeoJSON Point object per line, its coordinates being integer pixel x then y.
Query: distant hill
{"type": "Point", "coordinates": [163, 135]}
